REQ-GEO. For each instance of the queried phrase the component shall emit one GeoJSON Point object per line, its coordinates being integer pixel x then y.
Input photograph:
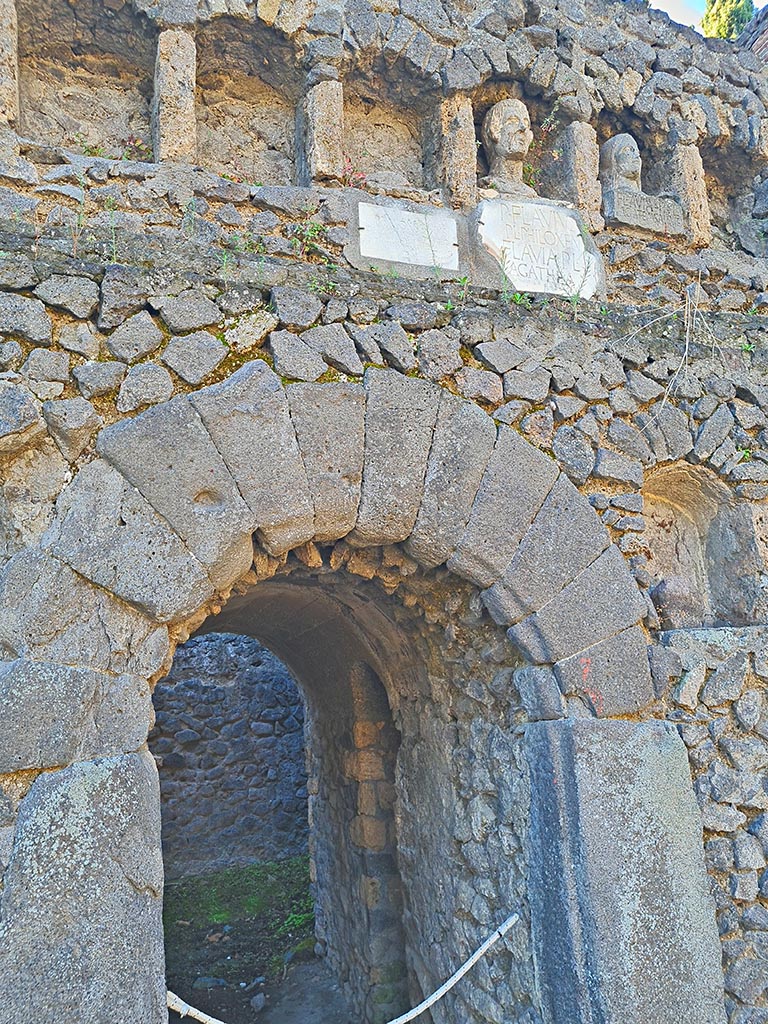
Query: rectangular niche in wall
{"type": "Point", "coordinates": [246, 103]}
{"type": "Point", "coordinates": [382, 141]}
{"type": "Point", "coordinates": [85, 75]}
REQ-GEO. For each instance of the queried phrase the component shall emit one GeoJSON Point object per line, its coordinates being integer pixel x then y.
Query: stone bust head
{"type": "Point", "coordinates": [506, 137]}
{"type": "Point", "coordinates": [620, 163]}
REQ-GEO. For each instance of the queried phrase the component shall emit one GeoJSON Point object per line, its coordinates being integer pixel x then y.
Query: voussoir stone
{"type": "Point", "coordinates": [20, 421]}
{"type": "Point", "coordinates": [47, 612]}
{"type": "Point", "coordinates": [82, 898]}
{"type": "Point", "coordinates": [516, 482]}
{"type": "Point", "coordinates": [565, 537]}
{"type": "Point", "coordinates": [400, 418]}
{"type": "Point", "coordinates": [26, 318]}
{"type": "Point", "coordinates": [168, 455]}
{"type": "Point", "coordinates": [601, 602]}
{"type": "Point", "coordinates": [78, 295]}
{"type": "Point", "coordinates": [72, 423]}
{"type": "Point", "coordinates": [55, 714]}
{"type": "Point", "coordinates": [614, 676]}
{"type": "Point", "coordinates": [111, 535]}
{"type": "Point", "coordinates": [135, 338]}
{"type": "Point", "coordinates": [248, 419]}
{"type": "Point", "coordinates": [194, 356]}
{"type": "Point", "coordinates": [463, 441]}
{"type": "Point", "coordinates": [329, 420]}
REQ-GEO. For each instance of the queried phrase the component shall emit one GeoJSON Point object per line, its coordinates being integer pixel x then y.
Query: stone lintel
{"type": "Point", "coordinates": [623, 922]}
{"type": "Point", "coordinates": [174, 123]}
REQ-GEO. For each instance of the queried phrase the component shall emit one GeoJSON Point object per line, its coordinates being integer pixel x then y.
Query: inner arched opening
{"type": "Point", "coordinates": [340, 650]}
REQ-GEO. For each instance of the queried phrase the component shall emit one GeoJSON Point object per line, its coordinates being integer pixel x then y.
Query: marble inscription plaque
{"type": "Point", "coordinates": [405, 236]}
{"type": "Point", "coordinates": [659, 214]}
{"type": "Point", "coordinates": [540, 247]}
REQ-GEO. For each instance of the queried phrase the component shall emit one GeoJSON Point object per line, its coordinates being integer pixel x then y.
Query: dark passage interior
{"type": "Point", "coordinates": [255, 771]}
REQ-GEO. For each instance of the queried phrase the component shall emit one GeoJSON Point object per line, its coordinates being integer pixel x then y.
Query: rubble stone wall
{"type": "Point", "coordinates": [230, 748]}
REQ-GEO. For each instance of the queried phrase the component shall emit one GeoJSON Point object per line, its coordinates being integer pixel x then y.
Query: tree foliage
{"type": "Point", "coordinates": [727, 18]}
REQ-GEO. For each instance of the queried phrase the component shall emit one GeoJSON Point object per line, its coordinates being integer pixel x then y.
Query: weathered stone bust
{"type": "Point", "coordinates": [507, 137]}
{"type": "Point", "coordinates": [620, 163]}
{"type": "Point", "coordinates": [624, 201]}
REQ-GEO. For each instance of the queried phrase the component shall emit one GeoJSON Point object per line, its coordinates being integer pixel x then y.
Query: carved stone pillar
{"type": "Point", "coordinates": [320, 134]}
{"type": "Point", "coordinates": [687, 182]}
{"type": "Point", "coordinates": [457, 150]}
{"type": "Point", "coordinates": [9, 63]}
{"type": "Point", "coordinates": [570, 171]}
{"type": "Point", "coordinates": [174, 125]}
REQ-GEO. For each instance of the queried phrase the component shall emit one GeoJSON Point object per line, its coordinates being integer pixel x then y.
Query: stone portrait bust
{"type": "Point", "coordinates": [507, 137]}
{"type": "Point", "coordinates": [620, 164]}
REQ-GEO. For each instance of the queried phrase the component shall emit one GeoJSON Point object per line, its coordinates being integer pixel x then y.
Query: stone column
{"type": "Point", "coordinates": [320, 134]}
{"type": "Point", "coordinates": [9, 64]}
{"type": "Point", "coordinates": [174, 124]}
{"type": "Point", "coordinates": [687, 182]}
{"type": "Point", "coordinates": [570, 171]}
{"type": "Point", "coordinates": [623, 922]}
{"type": "Point", "coordinates": [457, 150]}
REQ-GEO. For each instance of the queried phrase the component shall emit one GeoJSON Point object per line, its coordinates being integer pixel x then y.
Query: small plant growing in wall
{"type": "Point", "coordinates": [137, 148]}
{"type": "Point", "coordinates": [306, 237]}
{"type": "Point", "coordinates": [541, 146]}
{"type": "Point", "coordinates": [351, 176]}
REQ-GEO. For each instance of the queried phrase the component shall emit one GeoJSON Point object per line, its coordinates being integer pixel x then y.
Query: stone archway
{"type": "Point", "coordinates": [153, 537]}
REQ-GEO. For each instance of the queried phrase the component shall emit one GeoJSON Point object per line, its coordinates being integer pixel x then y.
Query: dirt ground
{"type": "Point", "coordinates": [308, 995]}
{"type": "Point", "coordinates": [247, 933]}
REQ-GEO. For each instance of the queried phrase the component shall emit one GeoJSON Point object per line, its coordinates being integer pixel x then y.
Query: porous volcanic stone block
{"type": "Point", "coordinates": [333, 343]}
{"type": "Point", "coordinates": [71, 423]}
{"type": "Point", "coordinates": [324, 131]}
{"type": "Point", "coordinates": [516, 481]}
{"type": "Point", "coordinates": [25, 317]}
{"type": "Point", "coordinates": [247, 417]}
{"type": "Point", "coordinates": [296, 308]}
{"type": "Point", "coordinates": [329, 420]}
{"type": "Point", "coordinates": [54, 714]}
{"type": "Point", "coordinates": [294, 359]}
{"type": "Point", "coordinates": [463, 441]}
{"type": "Point", "coordinates": [614, 676]}
{"type": "Point", "coordinates": [78, 295]}
{"type": "Point", "coordinates": [598, 604]}
{"type": "Point", "coordinates": [618, 888]}
{"type": "Point", "coordinates": [167, 454]}
{"type": "Point", "coordinates": [44, 365]}
{"type": "Point", "coordinates": [400, 418]}
{"type": "Point", "coordinates": [111, 535]}
{"type": "Point", "coordinates": [194, 356]}
{"type": "Point", "coordinates": [81, 909]}
{"type": "Point", "coordinates": [137, 337]}
{"type": "Point", "coordinates": [20, 421]}
{"type": "Point", "coordinates": [95, 379]}
{"type": "Point", "coordinates": [189, 311]}
{"type": "Point", "coordinates": [566, 536]}
{"type": "Point", "coordinates": [145, 384]}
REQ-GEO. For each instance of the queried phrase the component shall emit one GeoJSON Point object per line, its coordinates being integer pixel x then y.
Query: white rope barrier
{"type": "Point", "coordinates": [185, 1010]}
